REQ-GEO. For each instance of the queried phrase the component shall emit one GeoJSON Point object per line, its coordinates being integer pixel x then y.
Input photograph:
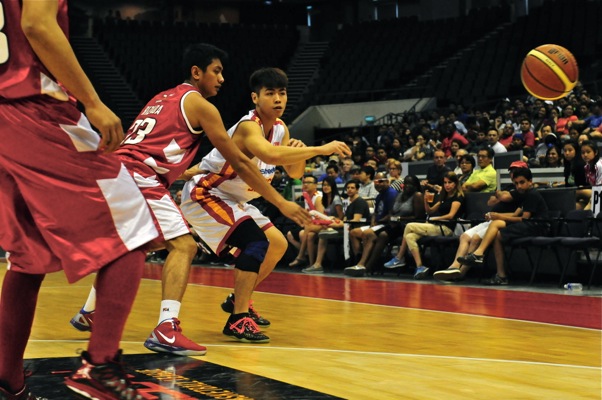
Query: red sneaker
{"type": "Point", "coordinates": [24, 394]}
{"type": "Point", "coordinates": [167, 337]}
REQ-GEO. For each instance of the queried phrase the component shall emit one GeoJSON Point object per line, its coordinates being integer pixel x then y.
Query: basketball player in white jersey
{"type": "Point", "coordinates": [215, 200]}
{"type": "Point", "coordinates": [158, 148]}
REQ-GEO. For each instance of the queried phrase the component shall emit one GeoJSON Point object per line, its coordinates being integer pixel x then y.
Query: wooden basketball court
{"type": "Point", "coordinates": [357, 338]}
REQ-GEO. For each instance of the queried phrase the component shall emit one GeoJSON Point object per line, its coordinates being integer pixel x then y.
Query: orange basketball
{"type": "Point", "coordinates": [549, 72]}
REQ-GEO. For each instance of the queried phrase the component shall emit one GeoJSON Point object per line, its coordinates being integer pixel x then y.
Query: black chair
{"type": "Point", "coordinates": [574, 225]}
{"type": "Point", "coordinates": [584, 242]}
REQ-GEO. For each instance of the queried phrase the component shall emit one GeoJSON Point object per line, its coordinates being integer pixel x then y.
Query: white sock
{"type": "Point", "coordinates": [91, 302]}
{"type": "Point", "coordinates": [169, 309]}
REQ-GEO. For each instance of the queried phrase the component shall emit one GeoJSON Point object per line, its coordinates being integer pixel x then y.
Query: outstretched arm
{"type": "Point", "coordinates": [250, 136]}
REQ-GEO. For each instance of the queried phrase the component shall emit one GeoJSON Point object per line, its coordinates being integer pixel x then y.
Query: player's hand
{"type": "Point", "coordinates": [336, 147]}
{"type": "Point", "coordinates": [295, 212]}
{"type": "Point", "coordinates": [109, 125]}
{"type": "Point", "coordinates": [295, 143]}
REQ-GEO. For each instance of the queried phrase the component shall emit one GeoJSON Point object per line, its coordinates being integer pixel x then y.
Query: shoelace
{"type": "Point", "coordinates": [248, 322]}
{"type": "Point", "coordinates": [175, 323]}
{"type": "Point", "coordinates": [252, 310]}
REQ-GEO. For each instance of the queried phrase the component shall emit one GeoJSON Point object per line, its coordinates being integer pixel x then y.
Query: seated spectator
{"type": "Point", "coordinates": [332, 170]}
{"type": "Point", "coordinates": [396, 150]}
{"type": "Point", "coordinates": [357, 211]}
{"type": "Point", "coordinates": [394, 170]}
{"type": "Point", "coordinates": [562, 127]}
{"type": "Point", "coordinates": [593, 167]}
{"type": "Point", "coordinates": [312, 199]}
{"type": "Point", "coordinates": [552, 158]}
{"type": "Point", "coordinates": [362, 239]}
{"type": "Point", "coordinates": [408, 206]}
{"type": "Point", "coordinates": [574, 173]}
{"type": "Point", "coordinates": [367, 189]}
{"type": "Point", "coordinates": [420, 151]}
{"type": "Point", "coordinates": [506, 135]}
{"type": "Point", "coordinates": [483, 179]}
{"type": "Point", "coordinates": [345, 170]}
{"type": "Point", "coordinates": [467, 166]}
{"type": "Point", "coordinates": [435, 173]}
{"type": "Point", "coordinates": [448, 207]}
{"type": "Point", "coordinates": [493, 141]}
{"type": "Point", "coordinates": [506, 227]}
{"type": "Point", "coordinates": [458, 156]}
{"type": "Point", "coordinates": [381, 158]}
{"type": "Point", "coordinates": [500, 202]}
{"type": "Point", "coordinates": [333, 208]}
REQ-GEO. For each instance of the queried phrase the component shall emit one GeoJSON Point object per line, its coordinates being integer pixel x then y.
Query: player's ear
{"type": "Point", "coordinates": [196, 73]}
{"type": "Point", "coordinates": [254, 97]}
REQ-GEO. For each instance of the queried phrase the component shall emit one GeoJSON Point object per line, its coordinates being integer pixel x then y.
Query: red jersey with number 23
{"type": "Point", "coordinates": [161, 137]}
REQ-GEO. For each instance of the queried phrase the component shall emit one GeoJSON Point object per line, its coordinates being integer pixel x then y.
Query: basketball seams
{"type": "Point", "coordinates": [534, 77]}
{"type": "Point", "coordinates": [553, 66]}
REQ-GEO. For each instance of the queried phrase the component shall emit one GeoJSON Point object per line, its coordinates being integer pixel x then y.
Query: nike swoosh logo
{"type": "Point", "coordinates": [169, 340]}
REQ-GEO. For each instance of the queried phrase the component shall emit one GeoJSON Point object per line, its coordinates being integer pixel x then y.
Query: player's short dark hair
{"type": "Point", "coordinates": [201, 55]}
{"type": "Point", "coordinates": [270, 78]}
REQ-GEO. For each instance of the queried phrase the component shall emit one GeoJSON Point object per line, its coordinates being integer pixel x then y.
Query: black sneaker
{"type": "Point", "coordinates": [245, 330]}
{"type": "Point", "coordinates": [228, 306]}
{"type": "Point", "coordinates": [104, 381]}
{"type": "Point", "coordinates": [259, 320]}
{"type": "Point", "coordinates": [23, 394]}
{"type": "Point", "coordinates": [449, 275]}
{"type": "Point", "coordinates": [496, 281]}
{"type": "Point", "coordinates": [471, 259]}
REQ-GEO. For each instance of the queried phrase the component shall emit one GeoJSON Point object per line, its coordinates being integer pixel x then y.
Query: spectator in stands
{"type": "Point", "coordinates": [574, 173]}
{"type": "Point", "coordinates": [347, 165]}
{"type": "Point", "coordinates": [369, 153]}
{"type": "Point", "coordinates": [518, 142]}
{"type": "Point", "coordinates": [458, 156]}
{"type": "Point", "coordinates": [562, 127]}
{"type": "Point", "coordinates": [583, 137]}
{"type": "Point", "coordinates": [367, 189]}
{"type": "Point", "coordinates": [381, 158]}
{"type": "Point", "coordinates": [357, 211]}
{"type": "Point", "coordinates": [552, 119]}
{"type": "Point", "coordinates": [549, 139]}
{"type": "Point", "coordinates": [372, 163]}
{"type": "Point", "coordinates": [332, 170]}
{"type": "Point", "coordinates": [506, 134]}
{"type": "Point", "coordinates": [448, 136]}
{"type": "Point", "coordinates": [591, 122]}
{"type": "Point", "coordinates": [593, 163]}
{"type": "Point", "coordinates": [333, 208]}
{"type": "Point", "coordinates": [448, 208]}
{"type": "Point", "coordinates": [394, 170]}
{"type": "Point", "coordinates": [525, 128]}
{"type": "Point", "coordinates": [500, 202]}
{"type": "Point", "coordinates": [479, 141]}
{"type": "Point", "coordinates": [467, 166]}
{"type": "Point", "coordinates": [357, 156]}
{"type": "Point", "coordinates": [420, 151]}
{"type": "Point", "coordinates": [312, 199]}
{"type": "Point", "coordinates": [396, 150]}
{"type": "Point", "coordinates": [493, 141]}
{"type": "Point", "coordinates": [505, 228]}
{"type": "Point", "coordinates": [435, 173]}
{"type": "Point", "coordinates": [539, 118]}
{"type": "Point", "coordinates": [363, 238]}
{"type": "Point", "coordinates": [483, 179]}
{"type": "Point", "coordinates": [552, 158]}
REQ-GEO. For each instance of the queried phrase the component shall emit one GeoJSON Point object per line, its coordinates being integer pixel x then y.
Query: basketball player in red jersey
{"type": "Point", "coordinates": [157, 149]}
{"type": "Point", "coordinates": [65, 203]}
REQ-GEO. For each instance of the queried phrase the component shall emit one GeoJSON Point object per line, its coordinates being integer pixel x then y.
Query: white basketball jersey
{"type": "Point", "coordinates": [222, 176]}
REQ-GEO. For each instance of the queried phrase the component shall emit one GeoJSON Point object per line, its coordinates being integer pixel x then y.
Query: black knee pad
{"type": "Point", "coordinates": [253, 244]}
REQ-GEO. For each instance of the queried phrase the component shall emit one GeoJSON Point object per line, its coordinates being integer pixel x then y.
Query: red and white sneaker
{"type": "Point", "coordinates": [83, 321]}
{"type": "Point", "coordinates": [103, 381]}
{"type": "Point", "coordinates": [24, 394]}
{"type": "Point", "coordinates": [167, 337]}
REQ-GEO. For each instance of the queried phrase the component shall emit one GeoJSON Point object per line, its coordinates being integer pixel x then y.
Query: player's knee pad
{"type": "Point", "coordinates": [253, 244]}
{"type": "Point", "coordinates": [252, 256]}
